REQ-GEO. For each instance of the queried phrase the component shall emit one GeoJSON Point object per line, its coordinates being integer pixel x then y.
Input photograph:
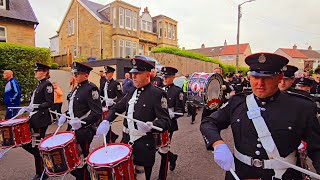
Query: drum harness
{"type": "Point", "coordinates": [254, 114]}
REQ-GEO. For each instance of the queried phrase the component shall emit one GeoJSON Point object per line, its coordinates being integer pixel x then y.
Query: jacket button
{"type": "Point", "coordinates": [263, 103]}
{"type": "Point", "coordinates": [238, 120]}
{"type": "Point", "coordinates": [263, 109]}
{"type": "Point", "coordinates": [290, 128]}
{"type": "Point", "coordinates": [257, 153]}
{"type": "Point", "coordinates": [259, 145]}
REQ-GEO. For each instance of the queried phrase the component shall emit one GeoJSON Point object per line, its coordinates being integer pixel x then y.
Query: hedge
{"type": "Point", "coordinates": [193, 55]}
{"type": "Point", "coordinates": [21, 60]}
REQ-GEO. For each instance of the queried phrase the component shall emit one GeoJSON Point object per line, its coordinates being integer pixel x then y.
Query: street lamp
{"type": "Point", "coordinates": [238, 32]}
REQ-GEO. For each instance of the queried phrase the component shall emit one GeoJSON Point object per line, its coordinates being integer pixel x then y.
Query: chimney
{"type": "Point", "coordinates": [294, 46]}
{"type": "Point", "coordinates": [146, 10]}
{"type": "Point", "coordinates": [309, 48]}
{"type": "Point", "coordinates": [225, 43]}
{"type": "Point", "coordinates": [202, 46]}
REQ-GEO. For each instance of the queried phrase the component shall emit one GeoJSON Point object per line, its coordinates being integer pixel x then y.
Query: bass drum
{"type": "Point", "coordinates": [205, 90]}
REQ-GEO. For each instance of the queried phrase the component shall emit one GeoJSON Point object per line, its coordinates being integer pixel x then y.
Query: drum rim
{"type": "Point", "coordinates": [108, 164]}
{"type": "Point", "coordinates": [58, 146]}
{"type": "Point", "coordinates": [24, 120]}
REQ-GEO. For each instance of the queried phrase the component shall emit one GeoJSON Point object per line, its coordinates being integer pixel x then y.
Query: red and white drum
{"type": "Point", "coordinates": [105, 111]}
{"type": "Point", "coordinates": [161, 139]}
{"type": "Point", "coordinates": [112, 162]}
{"type": "Point", "coordinates": [14, 132]}
{"type": "Point", "coordinates": [60, 153]}
{"type": "Point", "coordinates": [205, 90]}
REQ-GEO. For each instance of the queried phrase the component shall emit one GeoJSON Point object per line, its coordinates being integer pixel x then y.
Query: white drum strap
{"type": "Point", "coordinates": [133, 132]}
{"type": "Point", "coordinates": [31, 104]}
{"type": "Point", "coordinates": [70, 107]}
{"type": "Point", "coordinates": [254, 113]}
{"type": "Point", "coordinates": [105, 90]}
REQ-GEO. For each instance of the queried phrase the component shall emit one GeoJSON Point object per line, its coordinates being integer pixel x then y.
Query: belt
{"type": "Point", "coordinates": [133, 132]}
{"type": "Point", "coordinates": [265, 164]}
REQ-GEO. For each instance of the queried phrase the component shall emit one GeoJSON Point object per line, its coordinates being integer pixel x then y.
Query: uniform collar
{"type": "Point", "coordinates": [83, 82]}
{"type": "Point", "coordinates": [42, 80]}
{"type": "Point", "coordinates": [263, 101]}
{"type": "Point", "coordinates": [144, 87]}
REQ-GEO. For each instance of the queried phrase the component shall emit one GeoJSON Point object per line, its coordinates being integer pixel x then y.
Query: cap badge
{"type": "Point", "coordinates": [134, 62]}
{"type": "Point", "coordinates": [284, 68]}
{"type": "Point", "coordinates": [164, 69]}
{"type": "Point", "coordinates": [262, 59]}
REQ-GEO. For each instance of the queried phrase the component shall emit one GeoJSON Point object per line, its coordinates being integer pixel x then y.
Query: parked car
{"type": "Point", "coordinates": [178, 81]}
{"type": "Point", "coordinates": [158, 66]}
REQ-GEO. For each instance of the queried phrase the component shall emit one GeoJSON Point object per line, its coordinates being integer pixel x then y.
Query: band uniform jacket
{"type": "Point", "coordinates": [290, 118]}
{"type": "Point", "coordinates": [175, 101]}
{"type": "Point", "coordinates": [157, 81]}
{"type": "Point", "coordinates": [43, 95]}
{"type": "Point", "coordinates": [114, 90]}
{"type": "Point", "coordinates": [308, 95]}
{"type": "Point", "coordinates": [151, 105]}
{"type": "Point", "coordinates": [86, 99]}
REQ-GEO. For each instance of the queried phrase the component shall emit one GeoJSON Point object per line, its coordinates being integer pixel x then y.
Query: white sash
{"type": "Point", "coordinates": [70, 107]}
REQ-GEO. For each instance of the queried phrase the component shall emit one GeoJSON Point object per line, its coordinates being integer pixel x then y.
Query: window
{"type": "Point", "coordinates": [174, 32]}
{"type": "Point", "coordinates": [128, 19]}
{"type": "Point", "coordinates": [143, 25]}
{"type": "Point", "coordinates": [3, 34]}
{"type": "Point", "coordinates": [128, 48]}
{"type": "Point", "coordinates": [134, 48]}
{"type": "Point", "coordinates": [170, 31]}
{"type": "Point", "coordinates": [121, 17]}
{"type": "Point", "coordinates": [114, 44]}
{"type": "Point", "coordinates": [2, 4]}
{"type": "Point", "coordinates": [230, 57]}
{"type": "Point", "coordinates": [223, 58]}
{"type": "Point", "coordinates": [114, 25]}
{"type": "Point", "coordinates": [160, 29]}
{"type": "Point", "coordinates": [149, 24]}
{"type": "Point", "coordinates": [74, 51]}
{"type": "Point", "coordinates": [121, 48]}
{"type": "Point", "coordinates": [134, 21]}
{"type": "Point", "coordinates": [70, 27]}
{"type": "Point", "coordinates": [165, 29]}
{"type": "Point", "coordinates": [141, 49]}
{"type": "Point", "coordinates": [149, 51]}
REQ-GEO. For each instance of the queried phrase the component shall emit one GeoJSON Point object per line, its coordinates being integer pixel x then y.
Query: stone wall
{"type": "Point", "coordinates": [183, 64]}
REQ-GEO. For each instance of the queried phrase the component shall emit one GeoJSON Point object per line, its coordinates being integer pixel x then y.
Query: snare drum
{"type": "Point", "coordinates": [14, 132]}
{"type": "Point", "coordinates": [205, 90]}
{"type": "Point", "coordinates": [161, 139]}
{"type": "Point", "coordinates": [105, 111]}
{"type": "Point", "coordinates": [112, 162]}
{"type": "Point", "coordinates": [60, 153]}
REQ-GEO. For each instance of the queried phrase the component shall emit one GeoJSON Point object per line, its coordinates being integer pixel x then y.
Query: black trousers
{"type": "Point", "coordinates": [56, 107]}
{"type": "Point", "coordinates": [192, 111]}
{"type": "Point", "coordinates": [35, 150]}
{"type": "Point", "coordinates": [165, 159]}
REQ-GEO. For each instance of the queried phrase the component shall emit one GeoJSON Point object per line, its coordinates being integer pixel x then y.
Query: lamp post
{"type": "Point", "coordinates": [238, 33]}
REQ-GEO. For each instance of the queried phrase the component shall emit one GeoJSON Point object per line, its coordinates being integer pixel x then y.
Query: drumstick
{"type": "Point", "coordinates": [108, 99]}
{"type": "Point", "coordinates": [14, 117]}
{"type": "Point", "coordinates": [177, 113]}
{"type": "Point", "coordinates": [234, 174]}
{"type": "Point", "coordinates": [20, 107]}
{"type": "Point", "coordinates": [42, 174]}
{"type": "Point", "coordinates": [105, 139]}
{"type": "Point", "coordinates": [137, 121]}
{"type": "Point", "coordinates": [83, 122]}
{"type": "Point", "coordinates": [57, 130]}
{"type": "Point", "coordinates": [312, 174]}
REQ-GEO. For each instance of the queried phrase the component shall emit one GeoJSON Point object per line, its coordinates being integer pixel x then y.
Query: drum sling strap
{"type": "Point", "coordinates": [70, 107]}
{"type": "Point", "coordinates": [254, 113]}
{"type": "Point", "coordinates": [132, 131]}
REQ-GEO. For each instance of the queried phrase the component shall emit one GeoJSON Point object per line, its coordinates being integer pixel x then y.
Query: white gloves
{"type": "Point", "coordinates": [223, 156]}
{"type": "Point", "coordinates": [103, 128]}
{"type": "Point", "coordinates": [144, 127]}
{"type": "Point", "coordinates": [75, 123]}
{"type": "Point", "coordinates": [61, 120]}
{"type": "Point", "coordinates": [25, 109]}
{"type": "Point", "coordinates": [171, 114]}
{"type": "Point", "coordinates": [109, 102]}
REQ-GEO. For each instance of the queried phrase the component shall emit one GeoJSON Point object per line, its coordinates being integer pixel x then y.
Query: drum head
{"type": "Point", "coordinates": [214, 91]}
{"type": "Point", "coordinates": [13, 121]}
{"type": "Point", "coordinates": [57, 140]}
{"type": "Point", "coordinates": [109, 156]}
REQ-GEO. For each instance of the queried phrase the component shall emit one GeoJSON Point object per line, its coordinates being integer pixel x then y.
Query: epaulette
{"type": "Point", "coordinates": [299, 95]}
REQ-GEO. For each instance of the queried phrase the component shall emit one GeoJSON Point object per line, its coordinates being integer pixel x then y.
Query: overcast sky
{"type": "Point", "coordinates": [266, 24]}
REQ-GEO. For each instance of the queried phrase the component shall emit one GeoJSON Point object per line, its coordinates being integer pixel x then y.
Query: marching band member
{"type": "Point", "coordinates": [146, 103]}
{"type": "Point", "coordinates": [39, 117]}
{"type": "Point", "coordinates": [175, 104]}
{"type": "Point", "coordinates": [84, 105]}
{"type": "Point", "coordinates": [288, 78]}
{"type": "Point", "coordinates": [266, 125]}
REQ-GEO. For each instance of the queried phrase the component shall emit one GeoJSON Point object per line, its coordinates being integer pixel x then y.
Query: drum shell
{"type": "Point", "coordinates": [104, 113]}
{"type": "Point", "coordinates": [15, 134]}
{"type": "Point", "coordinates": [161, 139]}
{"type": "Point", "coordinates": [60, 159]}
{"type": "Point", "coordinates": [118, 170]}
{"type": "Point", "coordinates": [198, 90]}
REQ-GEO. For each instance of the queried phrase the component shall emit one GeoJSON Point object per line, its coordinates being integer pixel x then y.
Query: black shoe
{"type": "Point", "coordinates": [173, 162]}
{"type": "Point", "coordinates": [38, 177]}
{"type": "Point", "coordinates": [192, 122]}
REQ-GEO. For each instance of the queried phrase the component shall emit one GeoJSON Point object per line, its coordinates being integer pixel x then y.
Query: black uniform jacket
{"type": "Point", "coordinates": [290, 119]}
{"type": "Point", "coordinates": [114, 90]}
{"type": "Point", "coordinates": [44, 97]}
{"type": "Point", "coordinates": [175, 101]}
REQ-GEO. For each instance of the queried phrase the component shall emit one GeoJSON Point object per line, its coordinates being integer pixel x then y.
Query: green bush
{"type": "Point", "coordinates": [54, 66]}
{"type": "Point", "coordinates": [21, 60]}
{"type": "Point", "coordinates": [184, 53]}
